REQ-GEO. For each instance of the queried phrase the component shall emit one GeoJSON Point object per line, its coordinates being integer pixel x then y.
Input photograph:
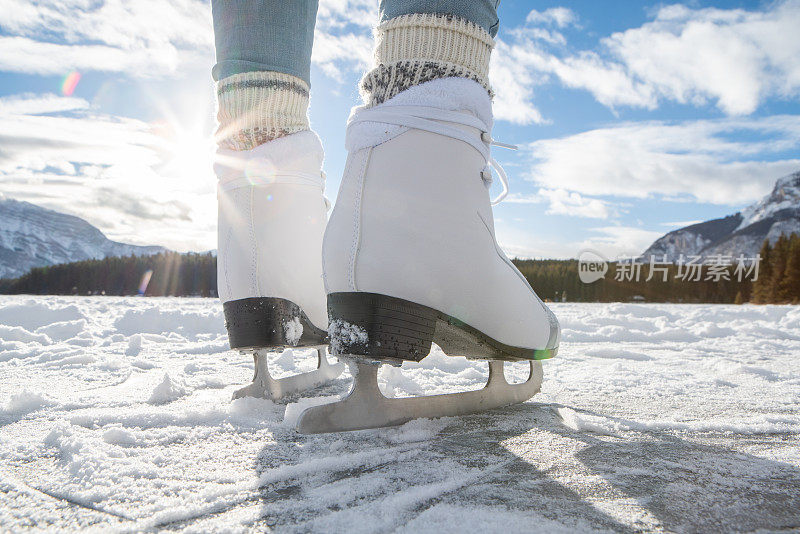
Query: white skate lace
{"type": "Point", "coordinates": [430, 120]}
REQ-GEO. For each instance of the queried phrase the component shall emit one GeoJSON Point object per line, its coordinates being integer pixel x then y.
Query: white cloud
{"type": "Point", "coordinates": [336, 52]}
{"type": "Point", "coordinates": [343, 36]}
{"type": "Point", "coordinates": [608, 82]}
{"type": "Point", "coordinates": [734, 59]}
{"type": "Point", "coordinates": [144, 38]}
{"type": "Point", "coordinates": [343, 13]}
{"type": "Point", "coordinates": [563, 202]}
{"type": "Point", "coordinates": [33, 104]}
{"type": "Point", "coordinates": [612, 241]}
{"type": "Point", "coordinates": [526, 60]}
{"type": "Point", "coordinates": [22, 54]}
{"type": "Point", "coordinates": [560, 16]}
{"type": "Point", "coordinates": [620, 241]}
{"type": "Point", "coordinates": [131, 179]}
{"type": "Point", "coordinates": [152, 38]}
{"type": "Point", "coordinates": [513, 82]}
{"type": "Point", "coordinates": [709, 161]}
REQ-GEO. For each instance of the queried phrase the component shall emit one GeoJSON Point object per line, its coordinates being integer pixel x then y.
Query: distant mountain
{"type": "Point", "coordinates": [742, 233]}
{"type": "Point", "coordinates": [32, 236]}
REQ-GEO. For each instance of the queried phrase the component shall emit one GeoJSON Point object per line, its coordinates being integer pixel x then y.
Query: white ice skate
{"type": "Point", "coordinates": [272, 216]}
{"type": "Point", "coordinates": [410, 258]}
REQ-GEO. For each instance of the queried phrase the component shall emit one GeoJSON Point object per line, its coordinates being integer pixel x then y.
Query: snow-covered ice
{"type": "Point", "coordinates": [115, 415]}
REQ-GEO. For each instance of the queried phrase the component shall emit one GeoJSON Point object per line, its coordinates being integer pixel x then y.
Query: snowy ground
{"type": "Point", "coordinates": [115, 414]}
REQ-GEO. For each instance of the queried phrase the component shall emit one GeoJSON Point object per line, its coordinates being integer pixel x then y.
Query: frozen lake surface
{"type": "Point", "coordinates": [115, 414]}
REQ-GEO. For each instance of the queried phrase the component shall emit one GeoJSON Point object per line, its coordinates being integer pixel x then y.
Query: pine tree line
{"type": "Point", "coordinates": [165, 274]}
{"type": "Point", "coordinates": [558, 279]}
{"type": "Point", "coordinates": [173, 274]}
{"type": "Point", "coordinates": [779, 278]}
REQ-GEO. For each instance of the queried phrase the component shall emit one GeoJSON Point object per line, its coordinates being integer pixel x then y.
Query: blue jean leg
{"type": "Point", "coordinates": [263, 35]}
{"type": "Point", "coordinates": [481, 12]}
{"type": "Point", "coordinates": [277, 35]}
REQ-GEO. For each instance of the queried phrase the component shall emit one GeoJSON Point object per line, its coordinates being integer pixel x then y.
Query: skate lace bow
{"type": "Point", "coordinates": [436, 121]}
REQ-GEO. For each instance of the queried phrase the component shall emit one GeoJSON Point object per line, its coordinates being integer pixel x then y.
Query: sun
{"type": "Point", "coordinates": [193, 157]}
{"type": "Point", "coordinates": [187, 155]}
{"type": "Point", "coordinates": [185, 185]}
{"type": "Point", "coordinates": [185, 135]}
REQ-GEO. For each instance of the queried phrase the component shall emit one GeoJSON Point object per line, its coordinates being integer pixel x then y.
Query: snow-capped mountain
{"type": "Point", "coordinates": [742, 233]}
{"type": "Point", "coordinates": [32, 236]}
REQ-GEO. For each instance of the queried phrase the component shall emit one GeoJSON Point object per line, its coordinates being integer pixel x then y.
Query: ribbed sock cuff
{"type": "Point", "coordinates": [417, 48]}
{"type": "Point", "coordinates": [257, 107]}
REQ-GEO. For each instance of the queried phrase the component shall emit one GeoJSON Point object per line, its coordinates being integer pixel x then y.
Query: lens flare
{"type": "Point", "coordinates": [145, 281]}
{"type": "Point", "coordinates": [70, 82]}
{"type": "Point", "coordinates": [259, 171]}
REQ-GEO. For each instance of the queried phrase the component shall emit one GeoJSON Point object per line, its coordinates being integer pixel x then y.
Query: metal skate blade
{"type": "Point", "coordinates": [264, 386]}
{"type": "Point", "coordinates": [366, 407]}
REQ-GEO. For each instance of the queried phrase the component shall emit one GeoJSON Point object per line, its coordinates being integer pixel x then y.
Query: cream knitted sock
{"type": "Point", "coordinates": [256, 107]}
{"type": "Point", "coordinates": [414, 49]}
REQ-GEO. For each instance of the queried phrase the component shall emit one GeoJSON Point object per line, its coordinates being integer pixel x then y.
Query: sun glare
{"type": "Point", "coordinates": [193, 157]}
{"type": "Point", "coordinates": [188, 156]}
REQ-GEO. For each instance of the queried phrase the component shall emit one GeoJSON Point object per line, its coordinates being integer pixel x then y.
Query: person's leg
{"type": "Point", "coordinates": [272, 212]}
{"type": "Point", "coordinates": [480, 12]}
{"type": "Point", "coordinates": [263, 69]}
{"type": "Point", "coordinates": [410, 256]}
{"type": "Point", "coordinates": [422, 40]}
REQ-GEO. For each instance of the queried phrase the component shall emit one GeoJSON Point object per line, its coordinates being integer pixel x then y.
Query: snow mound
{"type": "Point", "coordinates": [33, 314]}
{"type": "Point", "coordinates": [143, 364]}
{"type": "Point", "coordinates": [285, 361]}
{"type": "Point", "coordinates": [63, 330]}
{"type": "Point", "coordinates": [417, 430]}
{"type": "Point", "coordinates": [119, 436]}
{"type": "Point", "coordinates": [16, 333]}
{"type": "Point", "coordinates": [25, 402]}
{"type": "Point", "coordinates": [394, 383]}
{"type": "Point", "coordinates": [157, 321]}
{"type": "Point", "coordinates": [134, 345]}
{"type": "Point", "coordinates": [585, 422]}
{"type": "Point", "coordinates": [168, 390]}
{"type": "Point", "coordinates": [255, 410]}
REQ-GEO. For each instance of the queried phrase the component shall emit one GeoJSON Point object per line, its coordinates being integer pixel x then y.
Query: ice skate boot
{"type": "Point", "coordinates": [410, 258]}
{"type": "Point", "coordinates": [272, 216]}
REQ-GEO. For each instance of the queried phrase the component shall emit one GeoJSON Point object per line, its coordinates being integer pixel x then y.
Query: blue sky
{"type": "Point", "coordinates": [632, 118]}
